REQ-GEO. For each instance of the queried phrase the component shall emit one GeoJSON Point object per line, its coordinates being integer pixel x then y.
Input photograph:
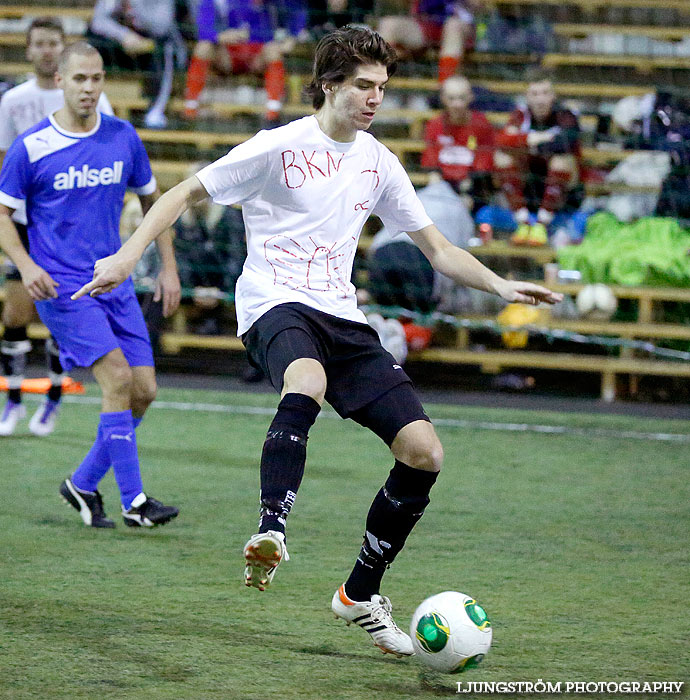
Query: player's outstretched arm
{"type": "Point", "coordinates": [168, 288]}
{"type": "Point", "coordinates": [464, 269]}
{"type": "Point", "coordinates": [37, 281]}
{"type": "Point", "coordinates": [115, 269]}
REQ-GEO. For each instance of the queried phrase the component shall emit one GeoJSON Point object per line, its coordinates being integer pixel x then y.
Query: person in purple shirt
{"type": "Point", "coordinates": [71, 171]}
{"type": "Point", "coordinates": [255, 35]}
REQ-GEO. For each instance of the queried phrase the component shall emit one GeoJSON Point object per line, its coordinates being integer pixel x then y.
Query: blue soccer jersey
{"type": "Point", "coordinates": [73, 185]}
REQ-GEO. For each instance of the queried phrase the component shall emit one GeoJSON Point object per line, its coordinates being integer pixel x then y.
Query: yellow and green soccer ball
{"type": "Point", "coordinates": [450, 632]}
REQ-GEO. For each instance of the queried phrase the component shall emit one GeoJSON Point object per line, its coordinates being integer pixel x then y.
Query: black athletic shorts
{"type": "Point", "coordinates": [11, 271]}
{"type": "Point", "coordinates": [358, 370]}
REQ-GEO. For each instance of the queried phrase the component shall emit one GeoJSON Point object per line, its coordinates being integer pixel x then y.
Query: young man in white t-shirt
{"type": "Point", "coordinates": [21, 108]}
{"type": "Point", "coordinates": [306, 190]}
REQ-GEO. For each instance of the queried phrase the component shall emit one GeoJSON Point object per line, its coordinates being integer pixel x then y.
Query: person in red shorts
{"type": "Point", "coordinates": [447, 24]}
{"type": "Point", "coordinates": [255, 35]}
{"type": "Point", "coordinates": [539, 160]}
{"type": "Point", "coordinates": [460, 145]}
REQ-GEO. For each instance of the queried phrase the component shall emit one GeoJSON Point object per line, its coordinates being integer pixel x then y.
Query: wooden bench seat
{"type": "Point", "coordinates": [30, 10]}
{"type": "Point", "coordinates": [583, 30]}
{"type": "Point", "coordinates": [495, 361]}
{"type": "Point", "coordinates": [644, 64]}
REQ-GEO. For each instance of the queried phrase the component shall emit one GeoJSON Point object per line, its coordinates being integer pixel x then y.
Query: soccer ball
{"type": "Point", "coordinates": [596, 302]}
{"type": "Point", "coordinates": [450, 632]}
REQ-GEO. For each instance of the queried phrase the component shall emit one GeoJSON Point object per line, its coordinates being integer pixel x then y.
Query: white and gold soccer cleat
{"type": "Point", "coordinates": [374, 617]}
{"type": "Point", "coordinates": [262, 553]}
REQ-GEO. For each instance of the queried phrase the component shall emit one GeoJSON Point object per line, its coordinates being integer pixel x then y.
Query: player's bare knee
{"type": "Point", "coordinates": [204, 50]}
{"type": "Point", "coordinates": [418, 446]}
{"type": "Point", "coordinates": [429, 456]}
{"type": "Point", "coordinates": [305, 376]}
{"type": "Point", "coordinates": [143, 395]}
{"type": "Point", "coordinates": [271, 52]}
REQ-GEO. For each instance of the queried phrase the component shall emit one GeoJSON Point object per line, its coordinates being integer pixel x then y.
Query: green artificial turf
{"type": "Point", "coordinates": [575, 544]}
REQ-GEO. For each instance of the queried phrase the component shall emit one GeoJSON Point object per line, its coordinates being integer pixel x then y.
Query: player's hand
{"type": "Point", "coordinates": [39, 283]}
{"type": "Point", "coordinates": [527, 293]}
{"type": "Point", "coordinates": [168, 289]}
{"type": "Point", "coordinates": [108, 273]}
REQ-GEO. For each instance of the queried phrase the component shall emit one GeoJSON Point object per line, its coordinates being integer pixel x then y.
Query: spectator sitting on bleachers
{"type": "Point", "coordinates": [211, 248]}
{"type": "Point", "coordinates": [126, 29]}
{"type": "Point", "coordinates": [460, 143]}
{"type": "Point", "coordinates": [254, 37]}
{"type": "Point", "coordinates": [539, 161]}
{"type": "Point", "coordinates": [448, 24]}
{"type": "Point", "coordinates": [400, 274]}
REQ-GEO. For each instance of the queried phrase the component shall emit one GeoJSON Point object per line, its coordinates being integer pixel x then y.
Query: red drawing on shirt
{"type": "Point", "coordinates": [310, 264]}
{"type": "Point", "coordinates": [376, 174]}
{"type": "Point", "coordinates": [362, 206]}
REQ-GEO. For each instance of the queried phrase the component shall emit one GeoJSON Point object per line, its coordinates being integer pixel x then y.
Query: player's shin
{"type": "Point", "coordinates": [394, 512]}
{"type": "Point", "coordinates": [14, 348]}
{"type": "Point", "coordinates": [55, 371]}
{"type": "Point", "coordinates": [283, 458]}
{"type": "Point", "coordinates": [96, 463]}
{"type": "Point", "coordinates": [121, 442]}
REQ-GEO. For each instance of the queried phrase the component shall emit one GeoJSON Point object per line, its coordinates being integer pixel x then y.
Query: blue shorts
{"type": "Point", "coordinates": [89, 328]}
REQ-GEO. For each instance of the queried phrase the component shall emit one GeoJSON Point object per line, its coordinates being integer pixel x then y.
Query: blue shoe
{"type": "Point", "coordinates": [12, 414]}
{"type": "Point", "coordinates": [43, 421]}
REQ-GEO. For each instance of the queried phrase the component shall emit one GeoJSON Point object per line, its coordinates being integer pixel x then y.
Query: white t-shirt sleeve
{"type": "Point", "coordinates": [240, 174]}
{"type": "Point", "coordinates": [399, 208]}
{"type": "Point", "coordinates": [7, 134]}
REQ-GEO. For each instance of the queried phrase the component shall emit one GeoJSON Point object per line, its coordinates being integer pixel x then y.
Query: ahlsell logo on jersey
{"type": "Point", "coordinates": [88, 177]}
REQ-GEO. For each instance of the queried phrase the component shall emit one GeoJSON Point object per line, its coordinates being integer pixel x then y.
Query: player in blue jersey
{"type": "Point", "coordinates": [256, 35]}
{"type": "Point", "coordinates": [71, 170]}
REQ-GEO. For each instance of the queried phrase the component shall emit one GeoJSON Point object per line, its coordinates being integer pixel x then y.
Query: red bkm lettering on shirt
{"type": "Point", "coordinates": [296, 175]}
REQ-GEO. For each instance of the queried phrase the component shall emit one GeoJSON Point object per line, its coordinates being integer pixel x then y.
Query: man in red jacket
{"type": "Point", "coordinates": [539, 160]}
{"type": "Point", "coordinates": [460, 144]}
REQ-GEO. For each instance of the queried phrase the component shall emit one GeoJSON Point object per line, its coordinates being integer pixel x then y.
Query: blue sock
{"type": "Point", "coordinates": [96, 463]}
{"type": "Point", "coordinates": [119, 437]}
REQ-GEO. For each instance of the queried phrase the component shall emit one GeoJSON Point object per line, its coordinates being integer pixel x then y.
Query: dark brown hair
{"type": "Point", "coordinates": [340, 53]}
{"type": "Point", "coordinates": [52, 23]}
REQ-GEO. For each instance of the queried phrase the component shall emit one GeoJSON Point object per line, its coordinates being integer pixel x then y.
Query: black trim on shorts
{"type": "Point", "coordinates": [358, 369]}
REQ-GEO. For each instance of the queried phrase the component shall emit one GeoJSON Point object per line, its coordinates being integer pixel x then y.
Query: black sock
{"type": "Point", "coordinates": [283, 458]}
{"type": "Point", "coordinates": [55, 371]}
{"type": "Point", "coordinates": [14, 348]}
{"type": "Point", "coordinates": [396, 509]}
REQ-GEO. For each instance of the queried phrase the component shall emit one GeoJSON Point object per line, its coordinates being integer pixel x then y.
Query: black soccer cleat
{"type": "Point", "coordinates": [89, 504]}
{"type": "Point", "coordinates": [149, 513]}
